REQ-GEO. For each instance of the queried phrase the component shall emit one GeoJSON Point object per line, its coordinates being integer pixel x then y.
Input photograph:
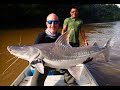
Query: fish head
{"type": "Point", "coordinates": [28, 53]}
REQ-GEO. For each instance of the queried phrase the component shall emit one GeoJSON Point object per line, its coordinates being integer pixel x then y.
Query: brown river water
{"type": "Point", "coordinates": [95, 32]}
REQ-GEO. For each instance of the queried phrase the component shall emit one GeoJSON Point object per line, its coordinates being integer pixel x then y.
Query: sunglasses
{"type": "Point", "coordinates": [54, 21]}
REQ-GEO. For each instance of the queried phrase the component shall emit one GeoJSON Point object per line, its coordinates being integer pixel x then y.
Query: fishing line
{"type": "Point", "coordinates": [9, 66]}
{"type": "Point", "coordinates": [4, 52]}
{"type": "Point", "coordinates": [11, 59]}
{"type": "Point", "coordinates": [20, 40]}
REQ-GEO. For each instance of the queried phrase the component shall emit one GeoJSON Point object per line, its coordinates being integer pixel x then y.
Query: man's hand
{"type": "Point", "coordinates": [85, 43]}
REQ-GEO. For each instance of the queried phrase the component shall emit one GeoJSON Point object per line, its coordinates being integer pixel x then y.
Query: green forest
{"type": "Point", "coordinates": [26, 15]}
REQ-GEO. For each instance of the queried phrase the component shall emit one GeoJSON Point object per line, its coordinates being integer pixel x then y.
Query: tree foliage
{"type": "Point", "coordinates": [35, 14]}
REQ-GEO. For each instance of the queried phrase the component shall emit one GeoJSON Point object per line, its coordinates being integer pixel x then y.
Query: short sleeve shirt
{"type": "Point", "coordinates": [75, 26]}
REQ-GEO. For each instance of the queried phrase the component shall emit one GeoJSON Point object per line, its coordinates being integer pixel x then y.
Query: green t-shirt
{"type": "Point", "coordinates": [75, 26]}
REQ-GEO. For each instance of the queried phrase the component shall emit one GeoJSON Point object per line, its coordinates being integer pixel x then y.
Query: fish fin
{"type": "Point", "coordinates": [106, 52]}
{"type": "Point", "coordinates": [40, 67]}
{"type": "Point", "coordinates": [75, 72]}
{"type": "Point", "coordinates": [108, 44]}
{"type": "Point", "coordinates": [64, 39]}
{"type": "Point", "coordinates": [95, 44]}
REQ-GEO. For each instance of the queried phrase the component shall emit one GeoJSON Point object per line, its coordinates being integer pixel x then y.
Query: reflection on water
{"type": "Point", "coordinates": [102, 34]}
{"type": "Point", "coordinates": [95, 32]}
{"type": "Point", "coordinates": [106, 73]}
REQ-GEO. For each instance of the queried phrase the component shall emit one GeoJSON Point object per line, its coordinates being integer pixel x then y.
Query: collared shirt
{"type": "Point", "coordinates": [49, 34]}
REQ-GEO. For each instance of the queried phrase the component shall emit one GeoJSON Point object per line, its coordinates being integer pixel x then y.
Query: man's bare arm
{"type": "Point", "coordinates": [84, 37]}
{"type": "Point", "coordinates": [64, 29]}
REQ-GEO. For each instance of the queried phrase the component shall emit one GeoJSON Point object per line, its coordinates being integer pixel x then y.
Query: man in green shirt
{"type": "Point", "coordinates": [73, 23]}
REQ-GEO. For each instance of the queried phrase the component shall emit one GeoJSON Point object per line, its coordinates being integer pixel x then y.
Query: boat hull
{"type": "Point", "coordinates": [24, 79]}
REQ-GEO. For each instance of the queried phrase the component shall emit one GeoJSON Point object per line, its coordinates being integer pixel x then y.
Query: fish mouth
{"type": "Point", "coordinates": [24, 52]}
{"type": "Point", "coordinates": [9, 49]}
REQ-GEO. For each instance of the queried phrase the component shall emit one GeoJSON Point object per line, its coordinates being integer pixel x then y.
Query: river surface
{"type": "Point", "coordinates": [95, 32]}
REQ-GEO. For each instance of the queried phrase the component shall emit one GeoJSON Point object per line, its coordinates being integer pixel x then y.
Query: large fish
{"type": "Point", "coordinates": [59, 55]}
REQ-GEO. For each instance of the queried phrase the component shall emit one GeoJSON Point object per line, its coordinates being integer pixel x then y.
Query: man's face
{"type": "Point", "coordinates": [74, 13]}
{"type": "Point", "coordinates": [52, 23]}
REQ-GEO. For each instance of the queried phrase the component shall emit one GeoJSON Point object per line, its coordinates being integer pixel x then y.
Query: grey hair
{"type": "Point", "coordinates": [52, 14]}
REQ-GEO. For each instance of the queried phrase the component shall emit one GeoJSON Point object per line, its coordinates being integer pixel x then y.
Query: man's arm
{"type": "Point", "coordinates": [64, 29]}
{"type": "Point", "coordinates": [84, 37]}
{"type": "Point", "coordinates": [65, 26]}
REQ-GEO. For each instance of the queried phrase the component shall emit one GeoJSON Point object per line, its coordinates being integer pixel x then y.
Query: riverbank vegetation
{"type": "Point", "coordinates": [34, 15]}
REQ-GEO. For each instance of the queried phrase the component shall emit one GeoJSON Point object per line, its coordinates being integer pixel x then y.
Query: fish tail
{"type": "Point", "coordinates": [108, 44]}
{"type": "Point", "coordinates": [107, 49]}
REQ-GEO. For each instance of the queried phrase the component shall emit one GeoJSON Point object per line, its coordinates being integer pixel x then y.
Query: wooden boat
{"type": "Point", "coordinates": [24, 79]}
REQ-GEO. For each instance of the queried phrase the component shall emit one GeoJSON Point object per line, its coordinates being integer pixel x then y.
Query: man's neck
{"type": "Point", "coordinates": [73, 17]}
